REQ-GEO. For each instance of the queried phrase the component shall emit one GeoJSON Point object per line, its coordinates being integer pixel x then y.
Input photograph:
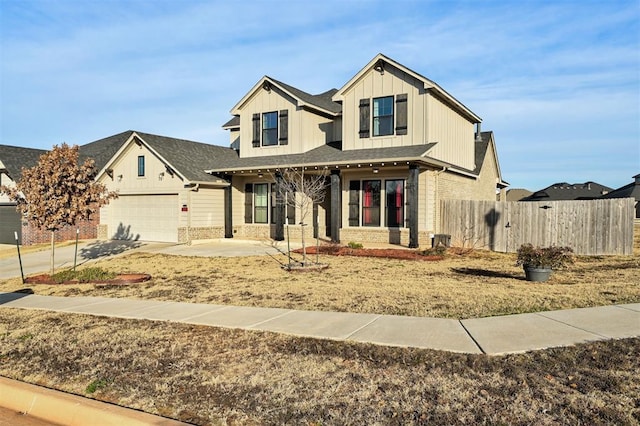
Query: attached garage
{"type": "Point", "coordinates": [9, 223]}
{"type": "Point", "coordinates": [144, 217]}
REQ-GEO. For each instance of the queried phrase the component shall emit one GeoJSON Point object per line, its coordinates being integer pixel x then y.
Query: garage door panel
{"type": "Point", "coordinates": [9, 223]}
{"type": "Point", "coordinates": [144, 217]}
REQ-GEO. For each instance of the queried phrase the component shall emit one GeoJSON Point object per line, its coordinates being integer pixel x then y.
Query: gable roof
{"type": "Point", "coordinates": [384, 61]}
{"type": "Point", "coordinates": [321, 103]}
{"type": "Point", "coordinates": [631, 190]}
{"type": "Point", "coordinates": [14, 158]}
{"type": "Point", "coordinates": [104, 149]}
{"type": "Point", "coordinates": [481, 146]}
{"type": "Point", "coordinates": [568, 191]}
{"type": "Point", "coordinates": [187, 158]}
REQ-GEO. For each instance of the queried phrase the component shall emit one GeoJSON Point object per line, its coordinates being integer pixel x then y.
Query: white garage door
{"type": "Point", "coordinates": [144, 217]}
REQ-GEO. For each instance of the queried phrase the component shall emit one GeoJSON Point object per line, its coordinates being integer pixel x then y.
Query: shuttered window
{"type": "Point", "coordinates": [389, 116]}
{"type": "Point", "coordinates": [365, 203]}
{"type": "Point", "coordinates": [371, 203]}
{"type": "Point", "coordinates": [270, 128]}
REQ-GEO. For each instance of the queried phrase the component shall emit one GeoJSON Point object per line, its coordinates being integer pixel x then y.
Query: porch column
{"type": "Point", "coordinates": [228, 210]}
{"type": "Point", "coordinates": [412, 202]}
{"type": "Point", "coordinates": [279, 211]}
{"type": "Point", "coordinates": [336, 207]}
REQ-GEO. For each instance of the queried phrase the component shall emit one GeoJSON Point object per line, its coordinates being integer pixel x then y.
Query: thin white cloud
{"type": "Point", "coordinates": [566, 70]}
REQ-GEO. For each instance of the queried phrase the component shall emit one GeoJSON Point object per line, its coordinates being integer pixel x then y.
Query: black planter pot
{"type": "Point", "coordinates": [539, 275]}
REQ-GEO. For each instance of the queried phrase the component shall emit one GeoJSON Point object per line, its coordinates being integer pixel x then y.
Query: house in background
{"type": "Point", "coordinates": [631, 190]}
{"type": "Point", "coordinates": [392, 143]}
{"type": "Point", "coordinates": [569, 191]}
{"type": "Point", "coordinates": [12, 160]}
{"type": "Point", "coordinates": [517, 194]}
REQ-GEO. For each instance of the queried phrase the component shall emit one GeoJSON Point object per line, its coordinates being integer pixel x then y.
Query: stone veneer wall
{"type": "Point", "coordinates": [200, 233]}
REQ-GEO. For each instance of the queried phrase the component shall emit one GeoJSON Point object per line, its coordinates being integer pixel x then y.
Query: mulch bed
{"type": "Point", "coordinates": [118, 280]}
{"type": "Point", "coordinates": [384, 253]}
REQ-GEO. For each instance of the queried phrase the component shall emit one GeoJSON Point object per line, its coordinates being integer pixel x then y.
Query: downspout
{"type": "Point", "coordinates": [438, 199]}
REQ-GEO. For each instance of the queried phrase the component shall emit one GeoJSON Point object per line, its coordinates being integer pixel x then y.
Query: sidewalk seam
{"type": "Point", "coordinates": [362, 327]}
{"type": "Point", "coordinates": [573, 326]}
{"type": "Point", "coordinates": [270, 319]}
{"type": "Point", "coordinates": [471, 337]}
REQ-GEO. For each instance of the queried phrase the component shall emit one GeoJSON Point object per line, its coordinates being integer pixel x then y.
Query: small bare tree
{"type": "Point", "coordinates": [58, 191]}
{"type": "Point", "coordinates": [302, 190]}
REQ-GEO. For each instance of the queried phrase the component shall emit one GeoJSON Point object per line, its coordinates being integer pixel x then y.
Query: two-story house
{"type": "Point", "coordinates": [391, 142]}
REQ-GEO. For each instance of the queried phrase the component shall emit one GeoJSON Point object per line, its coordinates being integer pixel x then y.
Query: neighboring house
{"type": "Point", "coordinates": [164, 193]}
{"type": "Point", "coordinates": [569, 191]}
{"type": "Point", "coordinates": [517, 194]}
{"type": "Point", "coordinates": [392, 143]}
{"type": "Point", "coordinates": [12, 160]}
{"type": "Point", "coordinates": [631, 190]}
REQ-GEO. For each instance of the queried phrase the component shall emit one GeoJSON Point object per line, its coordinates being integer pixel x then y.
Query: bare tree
{"type": "Point", "coordinates": [58, 191]}
{"type": "Point", "coordinates": [302, 190]}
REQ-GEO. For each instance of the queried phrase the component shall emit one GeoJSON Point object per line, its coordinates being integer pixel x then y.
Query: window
{"type": "Point", "coordinates": [269, 128]}
{"type": "Point", "coordinates": [370, 192]}
{"type": "Point", "coordinates": [140, 165]}
{"type": "Point", "coordinates": [394, 212]}
{"type": "Point", "coordinates": [371, 203]}
{"type": "Point", "coordinates": [383, 116]}
{"type": "Point", "coordinates": [261, 202]}
{"type": "Point", "coordinates": [381, 122]}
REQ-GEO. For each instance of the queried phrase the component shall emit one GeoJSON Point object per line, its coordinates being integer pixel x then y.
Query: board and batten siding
{"type": "Point", "coordinates": [589, 227]}
{"type": "Point", "coordinates": [305, 129]}
{"type": "Point", "coordinates": [453, 133]}
{"type": "Point", "coordinates": [374, 85]}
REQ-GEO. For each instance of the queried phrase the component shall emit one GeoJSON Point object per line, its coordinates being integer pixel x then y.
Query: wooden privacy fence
{"type": "Point", "coordinates": [590, 227]}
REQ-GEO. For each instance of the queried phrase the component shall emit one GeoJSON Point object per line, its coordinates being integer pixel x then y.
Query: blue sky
{"type": "Point", "coordinates": [557, 81]}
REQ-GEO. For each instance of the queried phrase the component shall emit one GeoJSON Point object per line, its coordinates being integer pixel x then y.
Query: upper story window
{"type": "Point", "coordinates": [383, 116]}
{"type": "Point", "coordinates": [271, 128]}
{"type": "Point", "coordinates": [141, 166]}
{"type": "Point", "coordinates": [389, 116]}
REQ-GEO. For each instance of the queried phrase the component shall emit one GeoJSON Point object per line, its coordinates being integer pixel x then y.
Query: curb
{"type": "Point", "coordinates": [71, 410]}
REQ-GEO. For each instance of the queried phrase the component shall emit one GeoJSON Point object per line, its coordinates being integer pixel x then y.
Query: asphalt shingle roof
{"type": "Point", "coordinates": [322, 100]}
{"type": "Point", "coordinates": [323, 155]}
{"type": "Point", "coordinates": [569, 191]}
{"type": "Point", "coordinates": [631, 190]}
{"type": "Point", "coordinates": [15, 158]}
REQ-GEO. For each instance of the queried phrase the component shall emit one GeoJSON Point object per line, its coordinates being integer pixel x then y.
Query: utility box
{"type": "Point", "coordinates": [441, 240]}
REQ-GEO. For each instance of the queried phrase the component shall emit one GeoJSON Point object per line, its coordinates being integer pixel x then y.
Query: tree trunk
{"type": "Point", "coordinates": [53, 238]}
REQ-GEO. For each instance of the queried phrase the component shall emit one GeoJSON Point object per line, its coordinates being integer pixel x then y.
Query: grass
{"type": "Point", "coordinates": [476, 284]}
{"type": "Point", "coordinates": [207, 375]}
{"type": "Point", "coordinates": [84, 275]}
{"type": "Point", "coordinates": [210, 376]}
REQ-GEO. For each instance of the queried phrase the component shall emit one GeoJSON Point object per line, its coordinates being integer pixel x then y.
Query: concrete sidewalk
{"type": "Point", "coordinates": [493, 335]}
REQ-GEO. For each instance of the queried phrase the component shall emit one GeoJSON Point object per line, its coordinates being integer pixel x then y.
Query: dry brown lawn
{"type": "Point", "coordinates": [475, 284]}
{"type": "Point", "coordinates": [207, 375]}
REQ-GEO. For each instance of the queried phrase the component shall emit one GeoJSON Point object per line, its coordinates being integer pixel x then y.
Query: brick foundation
{"type": "Point", "coordinates": [32, 235]}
